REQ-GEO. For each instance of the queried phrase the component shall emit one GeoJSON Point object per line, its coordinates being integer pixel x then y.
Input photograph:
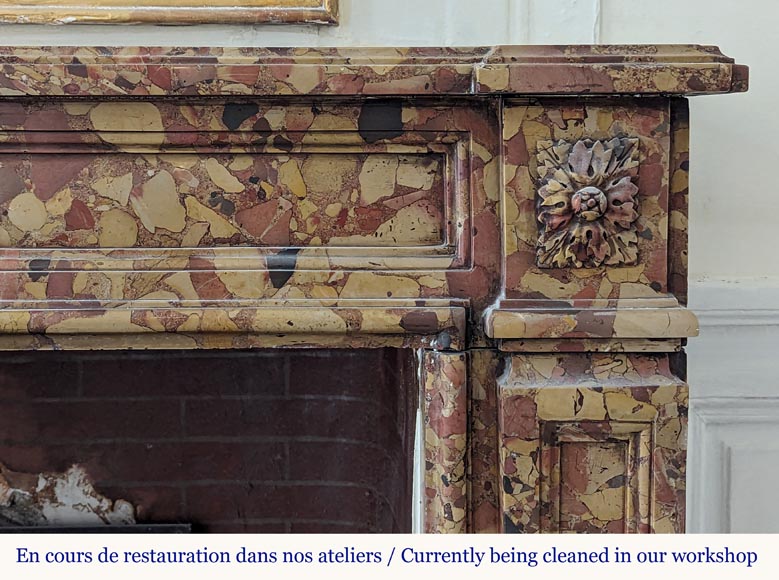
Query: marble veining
{"type": "Point", "coordinates": [518, 216]}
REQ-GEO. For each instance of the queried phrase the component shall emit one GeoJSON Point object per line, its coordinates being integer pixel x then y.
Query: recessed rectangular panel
{"type": "Point", "coordinates": [595, 477]}
{"type": "Point", "coordinates": [198, 198]}
{"type": "Point", "coordinates": [592, 443]}
{"type": "Point", "coordinates": [245, 199]}
{"type": "Point", "coordinates": [750, 500]}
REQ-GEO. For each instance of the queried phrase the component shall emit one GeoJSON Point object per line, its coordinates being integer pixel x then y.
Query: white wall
{"type": "Point", "coordinates": [734, 415]}
{"type": "Point", "coordinates": [363, 23]}
{"type": "Point", "coordinates": [733, 261]}
{"type": "Point", "coordinates": [731, 149]}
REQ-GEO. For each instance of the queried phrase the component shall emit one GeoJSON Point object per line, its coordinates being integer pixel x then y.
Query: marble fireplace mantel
{"type": "Point", "coordinates": [517, 215]}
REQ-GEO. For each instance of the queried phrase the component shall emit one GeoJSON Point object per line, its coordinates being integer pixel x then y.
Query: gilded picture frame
{"type": "Point", "coordinates": [169, 11]}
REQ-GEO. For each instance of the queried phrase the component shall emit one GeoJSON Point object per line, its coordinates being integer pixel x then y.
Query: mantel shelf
{"type": "Point", "coordinates": [520, 70]}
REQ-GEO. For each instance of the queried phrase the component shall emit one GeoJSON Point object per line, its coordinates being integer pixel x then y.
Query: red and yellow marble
{"type": "Point", "coordinates": [445, 393]}
{"type": "Point", "coordinates": [529, 70]}
{"type": "Point", "coordinates": [483, 462]}
{"type": "Point", "coordinates": [527, 127]}
{"type": "Point", "coordinates": [231, 198]}
{"type": "Point", "coordinates": [206, 206]}
{"type": "Point", "coordinates": [592, 443]}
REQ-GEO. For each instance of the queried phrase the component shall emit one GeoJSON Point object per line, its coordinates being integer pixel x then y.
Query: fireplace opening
{"type": "Point", "coordinates": [229, 441]}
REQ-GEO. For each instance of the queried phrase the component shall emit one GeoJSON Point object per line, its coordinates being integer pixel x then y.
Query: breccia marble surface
{"type": "Point", "coordinates": [230, 206]}
{"type": "Point", "coordinates": [518, 215]}
{"type": "Point", "coordinates": [445, 407]}
{"type": "Point", "coordinates": [529, 70]}
{"type": "Point", "coordinates": [593, 443]}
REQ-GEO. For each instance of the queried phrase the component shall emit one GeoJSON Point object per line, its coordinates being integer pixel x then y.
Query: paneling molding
{"type": "Point", "coordinates": [736, 302]}
{"type": "Point", "coordinates": [722, 430]}
{"type": "Point", "coordinates": [734, 410]}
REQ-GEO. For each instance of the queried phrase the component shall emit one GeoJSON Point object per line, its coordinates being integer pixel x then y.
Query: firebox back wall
{"type": "Point", "coordinates": [261, 441]}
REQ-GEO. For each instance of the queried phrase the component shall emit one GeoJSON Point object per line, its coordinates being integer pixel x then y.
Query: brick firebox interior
{"type": "Point", "coordinates": [256, 441]}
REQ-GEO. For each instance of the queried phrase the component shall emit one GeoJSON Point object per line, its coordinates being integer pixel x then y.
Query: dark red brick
{"type": "Point", "coordinates": [332, 418]}
{"type": "Point", "coordinates": [331, 503]}
{"type": "Point", "coordinates": [153, 462]}
{"type": "Point", "coordinates": [89, 420]}
{"type": "Point", "coordinates": [187, 373]}
{"type": "Point", "coordinates": [184, 462]}
{"type": "Point", "coordinates": [356, 463]}
{"type": "Point", "coordinates": [26, 458]}
{"type": "Point", "coordinates": [360, 372]}
{"type": "Point", "coordinates": [29, 376]}
{"type": "Point", "coordinates": [213, 438]}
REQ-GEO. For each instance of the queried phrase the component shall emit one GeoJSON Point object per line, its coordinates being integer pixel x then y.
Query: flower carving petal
{"type": "Point", "coordinates": [580, 158]}
{"type": "Point", "coordinates": [587, 202]}
{"type": "Point", "coordinates": [623, 209]}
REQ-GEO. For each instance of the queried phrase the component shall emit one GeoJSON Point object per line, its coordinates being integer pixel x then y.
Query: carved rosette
{"type": "Point", "coordinates": [587, 203]}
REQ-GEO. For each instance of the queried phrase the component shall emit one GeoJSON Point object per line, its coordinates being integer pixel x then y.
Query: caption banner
{"type": "Point", "coordinates": [385, 556]}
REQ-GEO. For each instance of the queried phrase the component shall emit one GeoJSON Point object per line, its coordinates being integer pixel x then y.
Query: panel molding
{"type": "Point", "coordinates": [735, 302]}
{"type": "Point", "coordinates": [548, 401]}
{"type": "Point", "coordinates": [734, 413]}
{"type": "Point", "coordinates": [633, 440]}
{"type": "Point", "coordinates": [719, 428]}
